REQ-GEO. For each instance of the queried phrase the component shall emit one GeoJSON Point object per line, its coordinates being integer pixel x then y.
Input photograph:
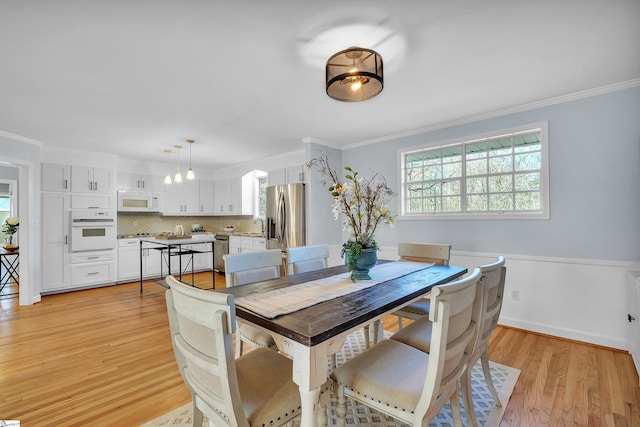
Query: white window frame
{"type": "Point", "coordinates": [543, 213]}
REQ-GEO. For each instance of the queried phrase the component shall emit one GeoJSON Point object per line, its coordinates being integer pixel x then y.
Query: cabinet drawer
{"type": "Point", "coordinates": [90, 273]}
{"type": "Point", "coordinates": [86, 258]}
{"type": "Point", "coordinates": [127, 243]}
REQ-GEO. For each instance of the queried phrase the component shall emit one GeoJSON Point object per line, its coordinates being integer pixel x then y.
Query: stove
{"type": "Point", "coordinates": [133, 236]}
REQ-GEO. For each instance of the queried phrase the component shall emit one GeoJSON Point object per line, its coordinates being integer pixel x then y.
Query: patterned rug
{"type": "Point", "coordinates": [487, 414]}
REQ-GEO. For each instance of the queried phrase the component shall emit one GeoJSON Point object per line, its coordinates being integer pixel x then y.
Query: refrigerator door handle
{"type": "Point", "coordinates": [281, 221]}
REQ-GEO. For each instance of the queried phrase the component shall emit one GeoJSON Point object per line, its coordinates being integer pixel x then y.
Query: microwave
{"type": "Point", "coordinates": [139, 201]}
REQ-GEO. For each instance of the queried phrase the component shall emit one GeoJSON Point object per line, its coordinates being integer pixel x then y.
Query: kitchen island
{"type": "Point", "coordinates": [173, 246]}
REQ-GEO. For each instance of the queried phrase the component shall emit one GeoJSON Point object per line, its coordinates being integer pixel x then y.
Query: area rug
{"type": "Point", "coordinates": [487, 414]}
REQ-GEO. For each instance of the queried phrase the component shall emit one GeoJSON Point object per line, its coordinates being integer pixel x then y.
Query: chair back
{"type": "Point", "coordinates": [202, 324]}
{"type": "Point", "coordinates": [493, 276]}
{"type": "Point", "coordinates": [250, 267]}
{"type": "Point", "coordinates": [307, 258]}
{"type": "Point", "coordinates": [425, 252]}
{"type": "Point", "coordinates": [456, 309]}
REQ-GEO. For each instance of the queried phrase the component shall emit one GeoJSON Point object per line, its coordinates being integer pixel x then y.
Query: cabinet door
{"type": "Point", "coordinates": [234, 244]}
{"type": "Point", "coordinates": [103, 181]}
{"type": "Point", "coordinates": [295, 174]}
{"type": "Point", "coordinates": [152, 262]}
{"type": "Point", "coordinates": [128, 181]}
{"type": "Point", "coordinates": [173, 199]}
{"type": "Point", "coordinates": [81, 179]}
{"type": "Point", "coordinates": [150, 183]}
{"type": "Point", "coordinates": [191, 196]}
{"type": "Point", "coordinates": [221, 197]}
{"type": "Point", "coordinates": [235, 196]}
{"type": "Point", "coordinates": [207, 200]}
{"type": "Point", "coordinates": [55, 241]}
{"type": "Point", "coordinates": [259, 244]}
{"type": "Point", "coordinates": [129, 261]}
{"type": "Point", "coordinates": [277, 177]}
{"type": "Point", "coordinates": [55, 177]}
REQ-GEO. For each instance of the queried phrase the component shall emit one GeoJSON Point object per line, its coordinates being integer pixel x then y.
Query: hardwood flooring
{"type": "Point", "coordinates": [103, 357]}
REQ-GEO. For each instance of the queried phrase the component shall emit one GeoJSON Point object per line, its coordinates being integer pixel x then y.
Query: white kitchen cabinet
{"type": "Point", "coordinates": [132, 181]}
{"type": "Point", "coordinates": [55, 241]}
{"type": "Point", "coordinates": [129, 260]}
{"type": "Point", "coordinates": [288, 175]}
{"type": "Point", "coordinates": [228, 196]}
{"type": "Point", "coordinates": [92, 268]}
{"type": "Point", "coordinates": [55, 177]}
{"type": "Point", "coordinates": [182, 198]}
{"type": "Point", "coordinates": [91, 180]}
{"type": "Point", "coordinates": [242, 244]}
{"type": "Point", "coordinates": [207, 197]}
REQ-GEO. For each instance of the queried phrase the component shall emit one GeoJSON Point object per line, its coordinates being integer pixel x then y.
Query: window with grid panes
{"type": "Point", "coordinates": [501, 175]}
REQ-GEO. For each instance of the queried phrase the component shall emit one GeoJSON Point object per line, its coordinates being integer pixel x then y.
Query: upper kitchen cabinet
{"type": "Point", "coordinates": [91, 180]}
{"type": "Point", "coordinates": [288, 175]}
{"type": "Point", "coordinates": [189, 198]}
{"type": "Point", "coordinates": [228, 196]}
{"type": "Point", "coordinates": [207, 197]}
{"type": "Point", "coordinates": [139, 182]}
{"type": "Point", "coordinates": [55, 177]}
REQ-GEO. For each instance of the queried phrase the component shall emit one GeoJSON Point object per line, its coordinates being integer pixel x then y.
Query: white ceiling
{"type": "Point", "coordinates": [245, 79]}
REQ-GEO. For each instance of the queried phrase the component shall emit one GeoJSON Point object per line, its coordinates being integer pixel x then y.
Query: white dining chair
{"type": "Point", "coordinates": [250, 267]}
{"type": "Point", "coordinates": [254, 390]}
{"type": "Point", "coordinates": [419, 334]}
{"type": "Point", "coordinates": [301, 259]}
{"type": "Point", "coordinates": [407, 383]}
{"type": "Point", "coordinates": [421, 252]}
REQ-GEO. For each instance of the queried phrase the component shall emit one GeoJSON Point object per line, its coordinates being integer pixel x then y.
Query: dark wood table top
{"type": "Point", "coordinates": [320, 322]}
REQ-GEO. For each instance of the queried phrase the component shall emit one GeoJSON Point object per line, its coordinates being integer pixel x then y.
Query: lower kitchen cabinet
{"type": "Point", "coordinates": [240, 244]}
{"type": "Point", "coordinates": [129, 260]}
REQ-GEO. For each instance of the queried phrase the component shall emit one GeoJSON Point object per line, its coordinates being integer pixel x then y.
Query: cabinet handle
{"type": "Point", "coordinates": [66, 240]}
{"type": "Point", "coordinates": [143, 184]}
{"type": "Point", "coordinates": [138, 183]}
{"type": "Point", "coordinates": [230, 208]}
{"type": "Point", "coordinates": [66, 184]}
{"type": "Point", "coordinates": [92, 257]}
{"type": "Point", "coordinates": [90, 186]}
{"type": "Point", "coordinates": [93, 273]}
{"type": "Point", "coordinates": [95, 185]}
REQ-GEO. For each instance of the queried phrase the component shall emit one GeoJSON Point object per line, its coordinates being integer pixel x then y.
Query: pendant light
{"type": "Point", "coordinates": [167, 178]}
{"type": "Point", "coordinates": [190, 175]}
{"type": "Point", "coordinates": [178, 177]}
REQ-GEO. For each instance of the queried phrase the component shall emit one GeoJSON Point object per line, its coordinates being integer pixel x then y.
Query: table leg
{"type": "Point", "coordinates": [309, 410]}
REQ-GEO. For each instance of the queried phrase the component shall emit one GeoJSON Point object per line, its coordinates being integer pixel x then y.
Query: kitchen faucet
{"type": "Point", "coordinates": [261, 223]}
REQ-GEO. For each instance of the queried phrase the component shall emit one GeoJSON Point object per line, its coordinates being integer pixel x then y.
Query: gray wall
{"type": "Point", "coordinates": [594, 156]}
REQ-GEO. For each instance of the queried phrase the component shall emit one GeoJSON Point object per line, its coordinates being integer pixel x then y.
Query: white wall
{"type": "Point", "coordinates": [569, 269]}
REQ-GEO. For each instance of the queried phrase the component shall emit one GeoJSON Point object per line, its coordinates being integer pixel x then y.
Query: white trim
{"type": "Point", "coordinates": [628, 84]}
{"type": "Point", "coordinates": [463, 140]}
{"type": "Point", "coordinates": [21, 138]}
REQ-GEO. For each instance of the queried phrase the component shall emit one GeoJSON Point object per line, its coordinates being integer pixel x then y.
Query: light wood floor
{"type": "Point", "coordinates": [103, 357]}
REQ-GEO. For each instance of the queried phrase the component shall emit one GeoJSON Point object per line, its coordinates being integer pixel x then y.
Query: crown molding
{"type": "Point", "coordinates": [503, 112]}
{"type": "Point", "coordinates": [20, 138]}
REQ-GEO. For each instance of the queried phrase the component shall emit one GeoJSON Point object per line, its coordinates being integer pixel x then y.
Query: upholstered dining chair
{"type": "Point", "coordinates": [421, 252]}
{"type": "Point", "coordinates": [419, 333]}
{"type": "Point", "coordinates": [301, 259]}
{"type": "Point", "coordinates": [249, 267]}
{"type": "Point", "coordinates": [253, 390]}
{"type": "Point", "coordinates": [409, 384]}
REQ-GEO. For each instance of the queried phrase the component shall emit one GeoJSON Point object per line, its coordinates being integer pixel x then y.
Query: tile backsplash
{"type": "Point", "coordinates": [133, 223]}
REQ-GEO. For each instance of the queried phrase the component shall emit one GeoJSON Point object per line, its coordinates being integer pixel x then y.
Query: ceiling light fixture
{"type": "Point", "coordinates": [190, 174]}
{"type": "Point", "coordinates": [354, 74]}
{"type": "Point", "coordinates": [167, 178]}
{"type": "Point", "coordinates": [178, 177]}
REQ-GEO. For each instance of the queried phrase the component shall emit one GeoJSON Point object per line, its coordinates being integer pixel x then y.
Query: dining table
{"type": "Point", "coordinates": [309, 335]}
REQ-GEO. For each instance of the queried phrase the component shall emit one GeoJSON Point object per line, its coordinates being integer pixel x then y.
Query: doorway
{"type": "Point", "coordinates": [9, 264]}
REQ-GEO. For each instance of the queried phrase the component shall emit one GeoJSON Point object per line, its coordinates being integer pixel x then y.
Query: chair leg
{"type": "Point", "coordinates": [341, 408]}
{"type": "Point", "coordinates": [323, 418]}
{"type": "Point", "coordinates": [487, 377]}
{"type": "Point", "coordinates": [454, 402]}
{"type": "Point", "coordinates": [467, 398]}
{"type": "Point", "coordinates": [334, 361]}
{"type": "Point", "coordinates": [399, 322]}
{"type": "Point", "coordinates": [377, 325]}
{"type": "Point", "coordinates": [197, 413]}
{"type": "Point", "coordinates": [366, 337]}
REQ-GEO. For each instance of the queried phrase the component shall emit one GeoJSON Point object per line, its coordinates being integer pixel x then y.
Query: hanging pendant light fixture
{"type": "Point", "coordinates": [178, 177]}
{"type": "Point", "coordinates": [167, 178]}
{"type": "Point", "coordinates": [190, 175]}
{"type": "Point", "coordinates": [354, 74]}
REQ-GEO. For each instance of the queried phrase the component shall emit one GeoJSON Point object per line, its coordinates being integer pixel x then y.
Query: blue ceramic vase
{"type": "Point", "coordinates": [368, 259]}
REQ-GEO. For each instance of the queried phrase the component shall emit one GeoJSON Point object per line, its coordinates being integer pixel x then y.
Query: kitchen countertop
{"type": "Point", "coordinates": [199, 235]}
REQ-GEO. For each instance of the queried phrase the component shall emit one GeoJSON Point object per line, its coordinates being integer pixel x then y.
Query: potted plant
{"type": "Point", "coordinates": [9, 228]}
{"type": "Point", "coordinates": [364, 204]}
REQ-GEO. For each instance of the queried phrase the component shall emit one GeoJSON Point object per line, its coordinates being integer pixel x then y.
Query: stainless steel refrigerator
{"type": "Point", "coordinates": [285, 216]}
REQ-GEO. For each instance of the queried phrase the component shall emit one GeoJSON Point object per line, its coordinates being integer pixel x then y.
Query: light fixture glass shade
{"type": "Point", "coordinates": [354, 74]}
{"type": "Point", "coordinates": [178, 177]}
{"type": "Point", "coordinates": [190, 174]}
{"type": "Point", "coordinates": [167, 179]}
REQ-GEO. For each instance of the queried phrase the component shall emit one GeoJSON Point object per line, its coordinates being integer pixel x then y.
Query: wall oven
{"type": "Point", "coordinates": [93, 229]}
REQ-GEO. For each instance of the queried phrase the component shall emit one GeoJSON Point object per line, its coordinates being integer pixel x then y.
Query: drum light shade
{"type": "Point", "coordinates": [354, 74]}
